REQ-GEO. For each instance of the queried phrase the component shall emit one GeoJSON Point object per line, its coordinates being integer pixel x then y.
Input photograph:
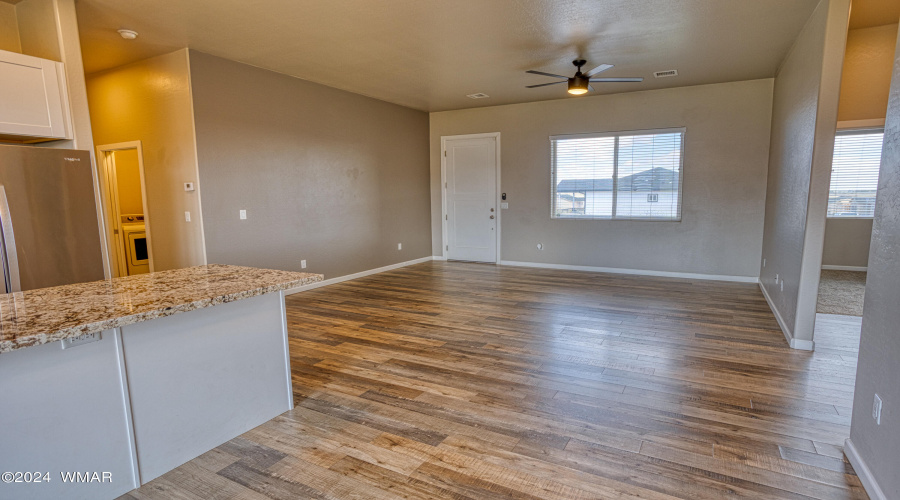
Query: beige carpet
{"type": "Point", "coordinates": [841, 292]}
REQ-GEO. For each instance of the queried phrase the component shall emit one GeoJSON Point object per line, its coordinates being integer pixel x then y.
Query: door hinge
{"type": "Point", "coordinates": [445, 152]}
{"type": "Point", "coordinates": [446, 217]}
{"type": "Point", "coordinates": [446, 186]}
{"type": "Point", "coordinates": [447, 247]}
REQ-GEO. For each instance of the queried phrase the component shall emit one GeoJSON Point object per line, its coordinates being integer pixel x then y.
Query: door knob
{"type": "Point", "coordinates": [492, 210]}
{"type": "Point", "coordinates": [492, 217]}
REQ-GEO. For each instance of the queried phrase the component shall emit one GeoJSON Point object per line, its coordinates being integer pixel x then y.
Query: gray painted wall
{"type": "Point", "coordinates": [724, 178]}
{"type": "Point", "coordinates": [879, 349]}
{"type": "Point", "coordinates": [335, 178]}
{"type": "Point", "coordinates": [804, 119]}
{"type": "Point", "coordinates": [847, 242]}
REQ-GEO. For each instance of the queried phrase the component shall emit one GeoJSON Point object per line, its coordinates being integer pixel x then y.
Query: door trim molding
{"type": "Point", "coordinates": [444, 235]}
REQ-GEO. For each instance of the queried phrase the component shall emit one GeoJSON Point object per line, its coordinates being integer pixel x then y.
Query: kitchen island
{"type": "Point", "coordinates": [123, 380]}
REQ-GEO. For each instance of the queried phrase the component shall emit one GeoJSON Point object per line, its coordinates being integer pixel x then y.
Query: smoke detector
{"type": "Point", "coordinates": [128, 34]}
{"type": "Point", "coordinates": [665, 74]}
{"type": "Point", "coordinates": [479, 95]}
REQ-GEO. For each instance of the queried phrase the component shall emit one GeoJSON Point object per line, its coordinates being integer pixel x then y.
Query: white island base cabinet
{"type": "Point", "coordinates": [142, 400]}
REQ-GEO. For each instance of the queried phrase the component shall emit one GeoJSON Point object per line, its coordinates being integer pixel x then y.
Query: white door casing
{"type": "Point", "coordinates": [110, 205]}
{"type": "Point", "coordinates": [470, 197]}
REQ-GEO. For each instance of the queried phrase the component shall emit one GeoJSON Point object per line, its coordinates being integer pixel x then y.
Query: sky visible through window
{"type": "Point", "coordinates": [592, 158]}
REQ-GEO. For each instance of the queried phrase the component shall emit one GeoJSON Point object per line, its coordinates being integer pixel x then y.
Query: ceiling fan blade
{"type": "Point", "coordinates": [590, 88]}
{"type": "Point", "coordinates": [638, 79]}
{"type": "Point", "coordinates": [533, 72]}
{"type": "Point", "coordinates": [542, 85]}
{"type": "Point", "coordinates": [598, 69]}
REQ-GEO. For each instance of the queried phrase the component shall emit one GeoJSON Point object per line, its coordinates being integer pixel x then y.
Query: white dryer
{"type": "Point", "coordinates": [137, 255]}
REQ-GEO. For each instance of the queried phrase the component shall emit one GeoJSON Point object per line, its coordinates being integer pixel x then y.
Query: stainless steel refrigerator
{"type": "Point", "coordinates": [49, 232]}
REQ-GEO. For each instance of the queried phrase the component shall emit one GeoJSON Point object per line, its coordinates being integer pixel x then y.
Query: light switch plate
{"type": "Point", "coordinates": [188, 186]}
{"type": "Point", "coordinates": [243, 214]}
{"type": "Point", "coordinates": [504, 205]}
{"type": "Point", "coordinates": [187, 216]}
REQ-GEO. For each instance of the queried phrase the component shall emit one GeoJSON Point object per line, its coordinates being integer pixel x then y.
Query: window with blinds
{"type": "Point", "coordinates": [624, 175]}
{"type": "Point", "coordinates": [854, 173]}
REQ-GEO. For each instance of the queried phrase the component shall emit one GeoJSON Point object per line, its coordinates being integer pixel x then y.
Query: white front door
{"type": "Point", "coordinates": [471, 190]}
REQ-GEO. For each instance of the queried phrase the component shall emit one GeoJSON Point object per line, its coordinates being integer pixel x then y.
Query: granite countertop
{"type": "Point", "coordinates": [49, 314]}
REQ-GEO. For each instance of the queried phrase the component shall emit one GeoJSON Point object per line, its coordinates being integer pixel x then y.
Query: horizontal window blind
{"type": "Point", "coordinates": [629, 175]}
{"type": "Point", "coordinates": [854, 174]}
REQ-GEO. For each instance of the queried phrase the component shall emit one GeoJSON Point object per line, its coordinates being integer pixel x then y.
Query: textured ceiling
{"type": "Point", "coordinates": [428, 54]}
{"type": "Point", "coordinates": [870, 13]}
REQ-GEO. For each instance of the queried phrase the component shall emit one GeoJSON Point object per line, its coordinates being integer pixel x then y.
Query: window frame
{"type": "Point", "coordinates": [853, 131]}
{"type": "Point", "coordinates": [591, 135]}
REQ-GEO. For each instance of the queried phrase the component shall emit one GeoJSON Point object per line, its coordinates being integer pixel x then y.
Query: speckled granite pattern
{"type": "Point", "coordinates": [50, 314]}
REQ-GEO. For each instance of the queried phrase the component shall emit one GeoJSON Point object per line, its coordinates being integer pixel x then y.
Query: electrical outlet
{"type": "Point", "coordinates": [504, 205]}
{"type": "Point", "coordinates": [302, 264]}
{"type": "Point", "coordinates": [187, 216]}
{"type": "Point", "coordinates": [399, 246]}
{"type": "Point", "coordinates": [876, 409]}
{"type": "Point", "coordinates": [87, 338]}
{"type": "Point", "coordinates": [243, 214]}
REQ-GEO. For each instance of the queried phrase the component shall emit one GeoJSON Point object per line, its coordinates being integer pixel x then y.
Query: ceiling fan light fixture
{"type": "Point", "coordinates": [578, 86]}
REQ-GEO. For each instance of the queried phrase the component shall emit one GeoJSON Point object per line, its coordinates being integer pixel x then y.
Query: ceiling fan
{"type": "Point", "coordinates": [581, 82]}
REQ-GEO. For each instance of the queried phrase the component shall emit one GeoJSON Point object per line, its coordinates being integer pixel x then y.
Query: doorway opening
{"type": "Point", "coordinates": [125, 208]}
{"type": "Point", "coordinates": [849, 219]}
{"type": "Point", "coordinates": [470, 197]}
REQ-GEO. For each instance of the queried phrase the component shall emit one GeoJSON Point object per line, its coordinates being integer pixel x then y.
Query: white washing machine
{"type": "Point", "coordinates": [137, 255]}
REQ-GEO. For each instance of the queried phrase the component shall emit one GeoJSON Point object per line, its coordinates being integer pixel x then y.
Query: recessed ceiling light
{"type": "Point", "coordinates": [128, 34]}
{"type": "Point", "coordinates": [479, 95]}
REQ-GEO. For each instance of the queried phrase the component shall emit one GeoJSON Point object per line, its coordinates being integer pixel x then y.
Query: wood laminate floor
{"type": "Point", "coordinates": [456, 380]}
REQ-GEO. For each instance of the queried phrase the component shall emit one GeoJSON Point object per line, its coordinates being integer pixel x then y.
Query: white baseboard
{"type": "Point", "coordinates": [862, 470]}
{"type": "Point", "coordinates": [845, 268]}
{"type": "Point", "coordinates": [354, 276]}
{"type": "Point", "coordinates": [803, 345]}
{"type": "Point", "coordinates": [642, 272]}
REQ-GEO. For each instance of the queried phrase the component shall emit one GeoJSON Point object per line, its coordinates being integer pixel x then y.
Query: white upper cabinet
{"type": "Point", "coordinates": [33, 101]}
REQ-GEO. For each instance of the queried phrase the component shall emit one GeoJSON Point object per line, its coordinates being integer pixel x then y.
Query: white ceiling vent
{"type": "Point", "coordinates": [665, 74]}
{"type": "Point", "coordinates": [479, 95]}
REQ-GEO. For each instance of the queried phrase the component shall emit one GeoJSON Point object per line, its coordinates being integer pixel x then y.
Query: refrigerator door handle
{"type": "Point", "coordinates": [10, 260]}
